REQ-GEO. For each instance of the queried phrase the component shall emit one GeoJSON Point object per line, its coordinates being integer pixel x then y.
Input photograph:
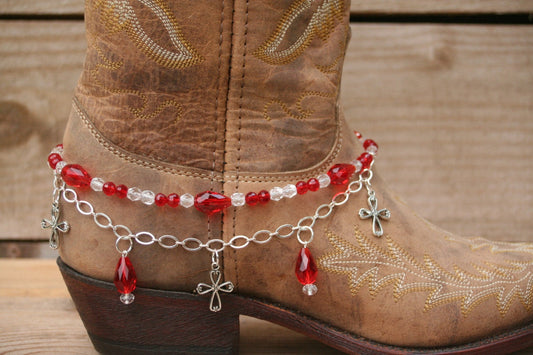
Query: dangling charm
{"type": "Point", "coordinates": [306, 271]}
{"type": "Point", "coordinates": [56, 226]}
{"type": "Point", "coordinates": [125, 279]}
{"type": "Point", "coordinates": [375, 213]}
{"type": "Point", "coordinates": [216, 287]}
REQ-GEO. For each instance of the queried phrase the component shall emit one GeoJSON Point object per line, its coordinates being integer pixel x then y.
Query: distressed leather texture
{"type": "Point", "coordinates": [258, 91]}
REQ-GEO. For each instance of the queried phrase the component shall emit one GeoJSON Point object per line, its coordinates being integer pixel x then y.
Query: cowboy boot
{"type": "Point", "coordinates": [240, 117]}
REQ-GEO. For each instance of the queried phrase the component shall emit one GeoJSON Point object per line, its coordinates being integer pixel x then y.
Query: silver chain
{"type": "Point", "coordinates": [303, 229]}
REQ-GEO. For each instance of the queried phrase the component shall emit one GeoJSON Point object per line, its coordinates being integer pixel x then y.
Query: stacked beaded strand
{"type": "Point", "coordinates": [210, 202]}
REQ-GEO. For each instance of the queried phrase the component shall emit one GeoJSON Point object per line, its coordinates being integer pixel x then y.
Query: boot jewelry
{"type": "Point", "coordinates": [374, 212]}
{"type": "Point", "coordinates": [306, 270]}
{"type": "Point", "coordinates": [215, 304]}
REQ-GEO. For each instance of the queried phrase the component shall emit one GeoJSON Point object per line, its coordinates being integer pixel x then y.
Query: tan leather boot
{"type": "Point", "coordinates": [237, 97]}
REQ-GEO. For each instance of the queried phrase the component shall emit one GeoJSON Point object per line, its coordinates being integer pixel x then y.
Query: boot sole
{"type": "Point", "coordinates": [161, 322]}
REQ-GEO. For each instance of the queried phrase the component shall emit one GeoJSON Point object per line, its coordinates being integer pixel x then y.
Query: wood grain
{"type": "Point", "coordinates": [39, 69]}
{"type": "Point", "coordinates": [452, 108]}
{"type": "Point", "coordinates": [358, 6]}
{"type": "Point", "coordinates": [440, 7]}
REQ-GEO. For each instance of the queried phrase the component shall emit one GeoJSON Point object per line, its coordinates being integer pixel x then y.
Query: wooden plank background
{"type": "Point", "coordinates": [450, 105]}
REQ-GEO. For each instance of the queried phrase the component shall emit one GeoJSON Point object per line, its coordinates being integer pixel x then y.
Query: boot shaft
{"type": "Point", "coordinates": [216, 85]}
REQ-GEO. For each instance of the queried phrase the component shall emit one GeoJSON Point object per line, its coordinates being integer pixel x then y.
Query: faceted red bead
{"type": "Point", "coordinates": [160, 199]}
{"type": "Point", "coordinates": [358, 135]}
{"type": "Point", "coordinates": [60, 145]}
{"type": "Point", "coordinates": [125, 278]}
{"type": "Point", "coordinates": [109, 188]}
{"type": "Point", "coordinates": [301, 187]}
{"type": "Point", "coordinates": [313, 184]}
{"type": "Point", "coordinates": [53, 159]}
{"type": "Point", "coordinates": [122, 191]}
{"type": "Point", "coordinates": [306, 269]}
{"type": "Point", "coordinates": [264, 196]}
{"type": "Point", "coordinates": [76, 176]}
{"type": "Point", "coordinates": [173, 200]}
{"type": "Point", "coordinates": [340, 173]}
{"type": "Point", "coordinates": [210, 202]}
{"type": "Point", "coordinates": [368, 143]}
{"type": "Point", "coordinates": [365, 159]}
{"type": "Point", "coordinates": [252, 198]}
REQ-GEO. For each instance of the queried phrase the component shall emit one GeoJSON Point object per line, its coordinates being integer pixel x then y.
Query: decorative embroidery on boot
{"type": "Point", "coordinates": [323, 21]}
{"type": "Point", "coordinates": [364, 264]}
{"type": "Point", "coordinates": [301, 113]}
{"type": "Point", "coordinates": [494, 247]}
{"type": "Point", "coordinates": [119, 15]}
{"type": "Point", "coordinates": [141, 111]}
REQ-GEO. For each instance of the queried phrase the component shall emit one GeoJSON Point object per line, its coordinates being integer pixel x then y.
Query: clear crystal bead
{"type": "Point", "coordinates": [148, 197]}
{"type": "Point", "coordinates": [310, 289]}
{"type": "Point", "coordinates": [238, 199]}
{"type": "Point", "coordinates": [358, 165]}
{"type": "Point", "coordinates": [60, 166]}
{"type": "Point", "coordinates": [128, 298]}
{"type": "Point", "coordinates": [289, 191]}
{"type": "Point", "coordinates": [134, 193]}
{"type": "Point", "coordinates": [323, 180]}
{"type": "Point", "coordinates": [187, 200]}
{"type": "Point", "coordinates": [97, 184]}
{"type": "Point", "coordinates": [276, 193]}
{"type": "Point", "coordinates": [372, 149]}
{"type": "Point", "coordinates": [57, 150]}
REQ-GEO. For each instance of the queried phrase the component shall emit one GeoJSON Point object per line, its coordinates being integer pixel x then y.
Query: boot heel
{"type": "Point", "coordinates": [157, 322]}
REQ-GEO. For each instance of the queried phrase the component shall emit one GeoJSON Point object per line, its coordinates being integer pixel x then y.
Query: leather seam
{"type": "Point", "coordinates": [108, 146]}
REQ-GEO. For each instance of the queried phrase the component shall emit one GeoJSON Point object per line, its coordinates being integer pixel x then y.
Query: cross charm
{"type": "Point", "coordinates": [376, 215]}
{"type": "Point", "coordinates": [56, 226]}
{"type": "Point", "coordinates": [215, 305]}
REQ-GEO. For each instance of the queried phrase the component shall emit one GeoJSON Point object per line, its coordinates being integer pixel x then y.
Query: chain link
{"type": "Point", "coordinates": [303, 229]}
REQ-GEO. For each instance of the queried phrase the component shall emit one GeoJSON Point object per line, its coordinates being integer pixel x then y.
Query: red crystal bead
{"type": "Point", "coordinates": [358, 135]}
{"type": "Point", "coordinates": [60, 145]}
{"type": "Point", "coordinates": [301, 187]}
{"type": "Point", "coordinates": [340, 173]}
{"type": "Point", "coordinates": [368, 143]}
{"type": "Point", "coordinates": [173, 200]}
{"type": "Point", "coordinates": [264, 196]}
{"type": "Point", "coordinates": [109, 188]}
{"type": "Point", "coordinates": [252, 198]}
{"type": "Point", "coordinates": [53, 159]}
{"type": "Point", "coordinates": [122, 191]}
{"type": "Point", "coordinates": [125, 278]}
{"type": "Point", "coordinates": [306, 269]}
{"type": "Point", "coordinates": [313, 184]}
{"type": "Point", "coordinates": [160, 199]}
{"type": "Point", "coordinates": [210, 202]}
{"type": "Point", "coordinates": [76, 176]}
{"type": "Point", "coordinates": [366, 160]}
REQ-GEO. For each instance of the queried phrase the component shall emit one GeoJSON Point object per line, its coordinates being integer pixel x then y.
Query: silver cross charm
{"type": "Point", "coordinates": [216, 287]}
{"type": "Point", "coordinates": [56, 226]}
{"type": "Point", "coordinates": [376, 214]}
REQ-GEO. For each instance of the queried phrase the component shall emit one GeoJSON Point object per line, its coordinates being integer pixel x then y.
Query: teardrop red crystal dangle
{"type": "Point", "coordinates": [125, 279]}
{"type": "Point", "coordinates": [306, 271]}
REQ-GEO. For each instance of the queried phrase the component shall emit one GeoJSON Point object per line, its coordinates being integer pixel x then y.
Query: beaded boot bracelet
{"type": "Point", "coordinates": [210, 202]}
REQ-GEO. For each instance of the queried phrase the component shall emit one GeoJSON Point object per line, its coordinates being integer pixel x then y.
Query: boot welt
{"type": "Point", "coordinates": [181, 323]}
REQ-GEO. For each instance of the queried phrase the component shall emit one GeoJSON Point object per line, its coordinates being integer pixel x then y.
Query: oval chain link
{"type": "Point", "coordinates": [304, 227]}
